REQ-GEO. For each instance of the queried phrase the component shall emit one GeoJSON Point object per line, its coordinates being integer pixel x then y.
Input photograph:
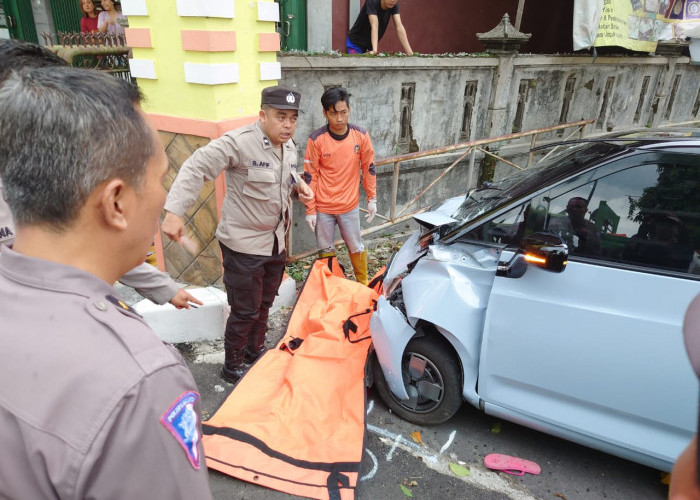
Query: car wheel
{"type": "Point", "coordinates": [432, 377]}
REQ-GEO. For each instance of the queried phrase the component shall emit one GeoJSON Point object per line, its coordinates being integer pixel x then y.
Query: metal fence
{"type": "Point", "coordinates": [471, 147]}
{"type": "Point", "coordinates": [100, 51]}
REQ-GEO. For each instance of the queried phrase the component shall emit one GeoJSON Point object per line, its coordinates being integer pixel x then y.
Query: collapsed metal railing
{"type": "Point", "coordinates": [101, 51]}
{"type": "Point", "coordinates": [470, 147]}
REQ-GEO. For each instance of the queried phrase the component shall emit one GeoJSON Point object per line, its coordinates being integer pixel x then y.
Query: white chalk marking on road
{"type": "Point", "coordinates": [393, 448]}
{"type": "Point", "coordinates": [399, 440]}
{"type": "Point", "coordinates": [375, 466]}
{"type": "Point", "coordinates": [449, 442]}
{"type": "Point", "coordinates": [480, 477]}
{"type": "Point", "coordinates": [370, 406]}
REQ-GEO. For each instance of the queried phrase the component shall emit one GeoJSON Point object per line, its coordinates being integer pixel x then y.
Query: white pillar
{"type": "Point", "coordinates": [319, 25]}
{"type": "Point", "coordinates": [354, 10]}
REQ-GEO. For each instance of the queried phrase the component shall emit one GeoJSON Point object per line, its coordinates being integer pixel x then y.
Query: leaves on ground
{"type": "Point", "coordinates": [496, 427]}
{"type": "Point", "coordinates": [559, 495]}
{"type": "Point", "coordinates": [416, 437]}
{"type": "Point", "coordinates": [406, 491]}
{"type": "Point", "coordinates": [459, 470]}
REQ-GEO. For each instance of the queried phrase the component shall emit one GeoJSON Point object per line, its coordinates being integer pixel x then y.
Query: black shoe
{"type": "Point", "coordinates": [251, 358]}
{"type": "Point", "coordinates": [233, 376]}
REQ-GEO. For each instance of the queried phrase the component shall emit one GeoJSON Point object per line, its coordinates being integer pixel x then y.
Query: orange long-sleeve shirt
{"type": "Point", "coordinates": [332, 167]}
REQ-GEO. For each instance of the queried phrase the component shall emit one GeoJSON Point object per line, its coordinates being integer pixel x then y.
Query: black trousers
{"type": "Point", "coordinates": [251, 284]}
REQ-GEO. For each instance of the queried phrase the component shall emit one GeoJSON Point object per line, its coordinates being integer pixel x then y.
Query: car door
{"type": "Point", "coordinates": [595, 353]}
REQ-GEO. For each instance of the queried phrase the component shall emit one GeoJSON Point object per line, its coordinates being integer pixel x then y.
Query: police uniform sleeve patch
{"type": "Point", "coordinates": [181, 421]}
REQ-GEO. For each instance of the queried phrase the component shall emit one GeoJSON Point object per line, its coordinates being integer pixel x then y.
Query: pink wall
{"type": "Point", "coordinates": [453, 28]}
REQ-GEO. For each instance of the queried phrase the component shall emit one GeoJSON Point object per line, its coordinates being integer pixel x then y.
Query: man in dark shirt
{"type": "Point", "coordinates": [370, 25]}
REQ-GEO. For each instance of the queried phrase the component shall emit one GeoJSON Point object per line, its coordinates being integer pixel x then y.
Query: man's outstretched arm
{"type": "Point", "coordinates": [374, 32]}
{"type": "Point", "coordinates": [403, 36]}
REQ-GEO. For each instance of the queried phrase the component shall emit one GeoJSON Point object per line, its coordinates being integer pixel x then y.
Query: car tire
{"type": "Point", "coordinates": [434, 384]}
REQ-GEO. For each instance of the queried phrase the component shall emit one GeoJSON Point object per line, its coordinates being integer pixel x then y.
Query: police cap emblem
{"type": "Point", "coordinates": [281, 98]}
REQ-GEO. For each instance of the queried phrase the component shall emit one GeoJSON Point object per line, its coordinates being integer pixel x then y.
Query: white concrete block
{"type": "Point", "coordinates": [206, 322]}
{"type": "Point", "coordinates": [134, 8]}
{"type": "Point", "coordinates": [270, 71]}
{"type": "Point", "coordinates": [142, 68]}
{"type": "Point", "coordinates": [268, 11]}
{"type": "Point", "coordinates": [211, 74]}
{"type": "Point", "coordinates": [206, 8]}
{"type": "Point", "coordinates": [286, 295]}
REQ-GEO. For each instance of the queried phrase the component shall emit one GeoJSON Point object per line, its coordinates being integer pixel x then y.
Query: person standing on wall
{"type": "Point", "coordinates": [370, 25]}
{"type": "Point", "coordinates": [335, 156]}
{"type": "Point", "coordinates": [260, 162]}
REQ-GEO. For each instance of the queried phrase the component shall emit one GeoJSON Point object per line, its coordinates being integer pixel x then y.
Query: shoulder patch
{"type": "Point", "coordinates": [318, 133]}
{"type": "Point", "coordinates": [358, 128]}
{"type": "Point", "coordinates": [121, 305]}
{"type": "Point", "coordinates": [181, 420]}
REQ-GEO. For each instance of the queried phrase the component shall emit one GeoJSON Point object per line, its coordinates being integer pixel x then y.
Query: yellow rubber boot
{"type": "Point", "coordinates": [359, 265]}
{"type": "Point", "coordinates": [322, 254]}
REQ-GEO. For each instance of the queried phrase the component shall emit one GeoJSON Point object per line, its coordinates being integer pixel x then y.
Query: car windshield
{"type": "Point", "coordinates": [492, 195]}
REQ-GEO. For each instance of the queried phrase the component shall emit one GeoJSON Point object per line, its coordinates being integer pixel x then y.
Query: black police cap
{"type": "Point", "coordinates": [281, 98]}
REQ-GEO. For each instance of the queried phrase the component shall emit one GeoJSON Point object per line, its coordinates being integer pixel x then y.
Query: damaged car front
{"type": "Point", "coordinates": [427, 327]}
{"type": "Point", "coordinates": [475, 305]}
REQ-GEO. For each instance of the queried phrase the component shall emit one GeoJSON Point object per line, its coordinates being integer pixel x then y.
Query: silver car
{"type": "Point", "coordinates": [554, 299]}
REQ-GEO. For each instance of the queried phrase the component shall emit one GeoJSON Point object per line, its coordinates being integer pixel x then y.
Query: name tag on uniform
{"type": "Point", "coordinates": [181, 421]}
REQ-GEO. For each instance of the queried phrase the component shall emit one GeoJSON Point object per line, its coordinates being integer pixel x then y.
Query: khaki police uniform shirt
{"type": "Point", "coordinates": [259, 181]}
{"type": "Point", "coordinates": [89, 394]}
{"type": "Point", "coordinates": [153, 284]}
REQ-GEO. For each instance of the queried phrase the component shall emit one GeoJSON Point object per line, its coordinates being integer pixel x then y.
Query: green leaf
{"type": "Point", "coordinates": [406, 491]}
{"type": "Point", "coordinates": [458, 470]}
{"type": "Point", "coordinates": [496, 427]}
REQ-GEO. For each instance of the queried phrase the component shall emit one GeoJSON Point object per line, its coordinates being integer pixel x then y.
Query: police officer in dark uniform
{"type": "Point", "coordinates": [92, 404]}
{"type": "Point", "coordinates": [260, 162]}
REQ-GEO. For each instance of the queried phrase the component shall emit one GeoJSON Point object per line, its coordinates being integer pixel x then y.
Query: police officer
{"type": "Point", "coordinates": [260, 162]}
{"type": "Point", "coordinates": [146, 279]}
{"type": "Point", "coordinates": [92, 404]}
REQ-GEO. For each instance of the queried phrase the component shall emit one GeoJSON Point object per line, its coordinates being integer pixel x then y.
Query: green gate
{"type": "Point", "coordinates": [20, 20]}
{"type": "Point", "coordinates": [66, 15]}
{"type": "Point", "coordinates": [293, 24]}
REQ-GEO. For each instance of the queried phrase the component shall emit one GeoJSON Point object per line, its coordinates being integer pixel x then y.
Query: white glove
{"type": "Point", "coordinates": [311, 221]}
{"type": "Point", "coordinates": [371, 210]}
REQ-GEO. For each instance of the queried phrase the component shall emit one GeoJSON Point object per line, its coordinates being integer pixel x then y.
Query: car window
{"type": "Point", "coordinates": [647, 215]}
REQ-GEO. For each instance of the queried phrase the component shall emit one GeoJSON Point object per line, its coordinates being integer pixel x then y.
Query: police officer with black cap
{"type": "Point", "coordinates": [260, 162]}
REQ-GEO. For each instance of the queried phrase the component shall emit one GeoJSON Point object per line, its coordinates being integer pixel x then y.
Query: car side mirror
{"type": "Point", "coordinates": [545, 250]}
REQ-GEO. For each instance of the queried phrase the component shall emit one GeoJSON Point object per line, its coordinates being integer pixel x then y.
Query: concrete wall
{"type": "Point", "coordinates": [607, 89]}
{"type": "Point", "coordinates": [444, 27]}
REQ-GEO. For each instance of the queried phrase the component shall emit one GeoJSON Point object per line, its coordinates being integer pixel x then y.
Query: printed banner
{"type": "Point", "coordinates": [632, 24]}
{"type": "Point", "coordinates": [684, 19]}
{"type": "Point", "coordinates": [640, 24]}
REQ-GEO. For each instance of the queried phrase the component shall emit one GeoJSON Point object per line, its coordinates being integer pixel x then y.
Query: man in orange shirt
{"type": "Point", "coordinates": [335, 156]}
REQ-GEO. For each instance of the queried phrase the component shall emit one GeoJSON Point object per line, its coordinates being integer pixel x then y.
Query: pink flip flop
{"type": "Point", "coordinates": [511, 465]}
